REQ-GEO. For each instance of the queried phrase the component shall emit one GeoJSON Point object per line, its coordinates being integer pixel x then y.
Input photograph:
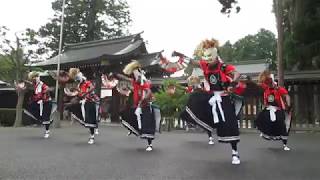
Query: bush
{"type": "Point", "coordinates": [8, 116]}
{"type": "Point", "coordinates": [171, 105]}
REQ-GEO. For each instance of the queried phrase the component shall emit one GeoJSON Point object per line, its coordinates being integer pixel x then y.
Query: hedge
{"type": "Point", "coordinates": [7, 117]}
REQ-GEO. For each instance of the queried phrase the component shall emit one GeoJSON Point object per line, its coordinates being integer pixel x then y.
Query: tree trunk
{"type": "Point", "coordinates": [279, 18]}
{"type": "Point", "coordinates": [57, 114]}
{"type": "Point", "coordinates": [91, 22]}
{"type": "Point", "coordinates": [19, 109]}
{"type": "Point", "coordinates": [21, 93]}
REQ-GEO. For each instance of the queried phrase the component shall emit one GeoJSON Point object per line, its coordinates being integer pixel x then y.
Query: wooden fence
{"type": "Point", "coordinates": [306, 109]}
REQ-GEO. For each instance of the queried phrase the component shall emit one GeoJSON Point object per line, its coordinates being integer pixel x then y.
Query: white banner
{"type": "Point", "coordinates": [106, 93]}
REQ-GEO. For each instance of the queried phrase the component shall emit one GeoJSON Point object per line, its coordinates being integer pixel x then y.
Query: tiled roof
{"type": "Point", "coordinates": [90, 52]}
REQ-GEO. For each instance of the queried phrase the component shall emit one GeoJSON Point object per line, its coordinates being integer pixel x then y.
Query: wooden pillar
{"type": "Point", "coordinates": [97, 80]}
{"type": "Point", "coordinates": [309, 107]}
{"type": "Point", "coordinates": [258, 109]}
{"type": "Point", "coordinates": [296, 105]}
{"type": "Point", "coordinates": [253, 111]}
{"type": "Point", "coordinates": [248, 112]}
{"type": "Point", "coordinates": [59, 113]}
{"type": "Point", "coordinates": [246, 105]}
{"type": "Point", "coordinates": [115, 102]}
{"type": "Point", "coordinates": [316, 112]}
{"type": "Point", "coordinates": [60, 102]}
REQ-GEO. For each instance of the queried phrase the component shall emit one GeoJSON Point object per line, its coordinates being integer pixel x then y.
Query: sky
{"type": "Point", "coordinates": [166, 24]}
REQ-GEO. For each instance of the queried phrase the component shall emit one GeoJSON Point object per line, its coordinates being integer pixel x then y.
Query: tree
{"type": "Point", "coordinates": [279, 18]}
{"type": "Point", "coordinates": [266, 45]}
{"type": "Point", "coordinates": [226, 52]}
{"type": "Point", "coordinates": [6, 69]}
{"type": "Point", "coordinates": [16, 54]}
{"type": "Point", "coordinates": [85, 20]}
{"type": "Point", "coordinates": [298, 23]}
{"type": "Point", "coordinates": [252, 47]}
{"type": "Point", "coordinates": [301, 23]}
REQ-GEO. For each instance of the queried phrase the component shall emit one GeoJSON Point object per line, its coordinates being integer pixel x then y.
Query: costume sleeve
{"type": "Point", "coordinates": [240, 88]}
{"type": "Point", "coordinates": [45, 92]}
{"type": "Point", "coordinates": [84, 88]}
{"type": "Point", "coordinates": [45, 88]}
{"type": "Point", "coordinates": [146, 85]}
{"type": "Point", "coordinates": [229, 69]}
{"type": "Point", "coordinates": [88, 85]}
{"type": "Point", "coordinates": [282, 91]}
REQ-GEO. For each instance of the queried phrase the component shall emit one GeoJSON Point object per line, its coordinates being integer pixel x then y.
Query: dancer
{"type": "Point", "coordinates": [40, 105]}
{"type": "Point", "coordinates": [237, 96]}
{"type": "Point", "coordinates": [222, 79]}
{"type": "Point", "coordinates": [197, 92]}
{"type": "Point", "coordinates": [274, 120]}
{"type": "Point", "coordinates": [140, 119]}
{"type": "Point", "coordinates": [84, 104]}
{"type": "Point", "coordinates": [108, 83]}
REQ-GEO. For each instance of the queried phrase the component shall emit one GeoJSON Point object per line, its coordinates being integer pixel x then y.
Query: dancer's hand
{"type": "Point", "coordinates": [68, 92]}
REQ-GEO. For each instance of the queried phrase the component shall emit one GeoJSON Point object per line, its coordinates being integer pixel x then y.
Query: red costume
{"type": "Point", "coordinates": [84, 91]}
{"type": "Point", "coordinates": [217, 77]}
{"type": "Point", "coordinates": [138, 91]}
{"type": "Point", "coordinates": [273, 96]}
{"type": "Point", "coordinates": [40, 92]}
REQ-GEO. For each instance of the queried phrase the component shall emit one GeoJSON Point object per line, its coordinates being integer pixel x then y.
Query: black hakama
{"type": "Point", "coordinates": [90, 113]}
{"type": "Point", "coordinates": [199, 110]}
{"type": "Point", "coordinates": [150, 121]}
{"type": "Point", "coordinates": [272, 130]}
{"type": "Point", "coordinates": [33, 111]}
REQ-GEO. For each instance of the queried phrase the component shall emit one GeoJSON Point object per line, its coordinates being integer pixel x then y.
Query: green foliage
{"type": "Point", "coordinates": [226, 52]}
{"type": "Point", "coordinates": [85, 20]}
{"type": "Point", "coordinates": [15, 54]}
{"type": "Point", "coordinates": [252, 47]}
{"type": "Point", "coordinates": [171, 105]}
{"type": "Point", "coordinates": [6, 69]}
{"type": "Point", "coordinates": [301, 37]}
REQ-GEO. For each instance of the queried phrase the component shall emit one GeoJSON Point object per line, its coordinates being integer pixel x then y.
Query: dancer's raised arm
{"type": "Point", "coordinates": [122, 77]}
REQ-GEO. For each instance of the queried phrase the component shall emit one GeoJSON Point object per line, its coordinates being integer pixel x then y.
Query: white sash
{"type": "Point", "coordinates": [138, 113]}
{"type": "Point", "coordinates": [272, 111]}
{"type": "Point", "coordinates": [213, 101]}
{"type": "Point", "coordinates": [83, 111]}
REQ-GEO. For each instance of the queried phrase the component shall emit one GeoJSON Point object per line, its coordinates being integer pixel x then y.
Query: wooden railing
{"type": "Point", "coordinates": [306, 110]}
